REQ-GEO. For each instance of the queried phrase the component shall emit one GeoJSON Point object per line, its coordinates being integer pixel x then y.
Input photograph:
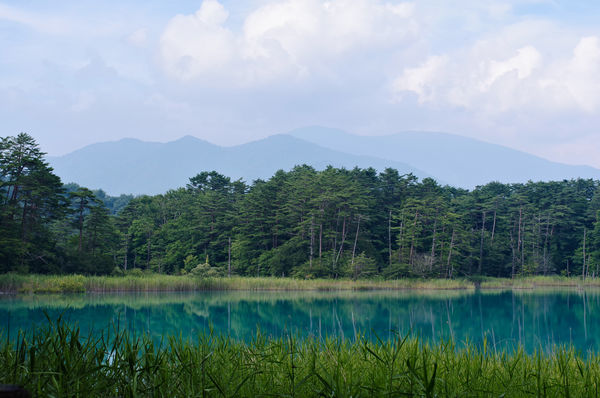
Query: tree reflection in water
{"type": "Point", "coordinates": [539, 318]}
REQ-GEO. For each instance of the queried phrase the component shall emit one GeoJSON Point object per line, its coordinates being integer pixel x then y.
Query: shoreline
{"type": "Point", "coordinates": [42, 284]}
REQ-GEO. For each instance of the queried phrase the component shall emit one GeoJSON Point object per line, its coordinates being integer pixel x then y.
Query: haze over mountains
{"type": "Point", "coordinates": [138, 167]}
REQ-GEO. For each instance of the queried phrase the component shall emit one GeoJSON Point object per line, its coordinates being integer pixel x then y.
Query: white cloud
{"type": "Point", "coordinates": [523, 63]}
{"type": "Point", "coordinates": [583, 73]}
{"type": "Point", "coordinates": [281, 39]}
{"type": "Point", "coordinates": [575, 82]}
{"type": "Point", "coordinates": [192, 45]}
{"type": "Point", "coordinates": [422, 79]}
{"type": "Point", "coordinates": [308, 28]}
{"type": "Point", "coordinates": [478, 78]}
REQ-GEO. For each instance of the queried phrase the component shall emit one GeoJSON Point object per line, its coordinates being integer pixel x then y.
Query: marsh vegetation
{"type": "Point", "coordinates": [57, 360]}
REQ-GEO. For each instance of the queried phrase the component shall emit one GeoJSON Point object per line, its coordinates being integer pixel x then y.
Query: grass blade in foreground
{"type": "Point", "coordinates": [57, 361]}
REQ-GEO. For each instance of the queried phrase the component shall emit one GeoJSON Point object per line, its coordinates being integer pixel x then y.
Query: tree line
{"type": "Point", "coordinates": [303, 222]}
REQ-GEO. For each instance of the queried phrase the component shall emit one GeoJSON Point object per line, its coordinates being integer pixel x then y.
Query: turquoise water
{"type": "Point", "coordinates": [505, 318]}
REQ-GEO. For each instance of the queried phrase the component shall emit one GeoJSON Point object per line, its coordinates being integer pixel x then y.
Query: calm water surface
{"type": "Point", "coordinates": [531, 318]}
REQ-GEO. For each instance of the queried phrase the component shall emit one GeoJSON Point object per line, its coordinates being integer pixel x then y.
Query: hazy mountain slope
{"type": "Point", "coordinates": [457, 160]}
{"type": "Point", "coordinates": [133, 166]}
{"type": "Point", "coordinates": [266, 156]}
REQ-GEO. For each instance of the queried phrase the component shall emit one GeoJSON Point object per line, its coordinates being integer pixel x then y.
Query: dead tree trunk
{"type": "Point", "coordinates": [481, 243]}
{"type": "Point", "coordinates": [449, 269]}
{"type": "Point", "coordinates": [342, 242]}
{"type": "Point", "coordinates": [390, 238]}
{"type": "Point", "coordinates": [334, 247]}
{"type": "Point", "coordinates": [512, 247]}
{"type": "Point", "coordinates": [354, 247]}
{"type": "Point", "coordinates": [545, 251]}
{"type": "Point", "coordinates": [494, 225]}
{"type": "Point", "coordinates": [321, 236]}
{"type": "Point", "coordinates": [583, 272]}
{"type": "Point", "coordinates": [431, 260]}
{"type": "Point", "coordinates": [519, 242]}
{"type": "Point", "coordinates": [401, 240]}
{"type": "Point", "coordinates": [412, 241]}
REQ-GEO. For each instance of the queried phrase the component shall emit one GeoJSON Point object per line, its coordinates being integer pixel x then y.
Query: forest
{"type": "Point", "coordinates": [304, 223]}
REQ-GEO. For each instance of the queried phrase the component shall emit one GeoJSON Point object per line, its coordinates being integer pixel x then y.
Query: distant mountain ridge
{"type": "Point", "coordinates": [459, 161]}
{"type": "Point", "coordinates": [139, 167]}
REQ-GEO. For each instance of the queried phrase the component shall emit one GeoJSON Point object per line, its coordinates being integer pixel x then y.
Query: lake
{"type": "Point", "coordinates": [536, 318]}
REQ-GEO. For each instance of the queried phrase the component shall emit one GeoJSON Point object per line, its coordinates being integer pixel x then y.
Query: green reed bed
{"type": "Point", "coordinates": [57, 361]}
{"type": "Point", "coordinates": [13, 283]}
{"type": "Point", "coordinates": [531, 282]}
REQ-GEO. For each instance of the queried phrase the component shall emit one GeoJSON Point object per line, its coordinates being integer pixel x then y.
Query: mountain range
{"type": "Point", "coordinates": [456, 160]}
{"type": "Point", "coordinates": [138, 167]}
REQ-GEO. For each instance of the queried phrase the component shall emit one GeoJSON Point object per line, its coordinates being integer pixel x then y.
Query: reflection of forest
{"type": "Point", "coordinates": [503, 318]}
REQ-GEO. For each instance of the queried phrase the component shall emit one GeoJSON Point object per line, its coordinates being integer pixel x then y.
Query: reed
{"type": "Point", "coordinates": [14, 283]}
{"type": "Point", "coordinates": [11, 283]}
{"type": "Point", "coordinates": [531, 282]}
{"type": "Point", "coordinates": [56, 360]}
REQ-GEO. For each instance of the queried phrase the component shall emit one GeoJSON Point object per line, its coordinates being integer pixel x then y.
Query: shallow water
{"type": "Point", "coordinates": [534, 319]}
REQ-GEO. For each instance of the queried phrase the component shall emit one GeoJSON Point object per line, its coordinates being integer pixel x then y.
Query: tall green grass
{"type": "Point", "coordinates": [530, 282]}
{"type": "Point", "coordinates": [58, 361]}
{"type": "Point", "coordinates": [14, 283]}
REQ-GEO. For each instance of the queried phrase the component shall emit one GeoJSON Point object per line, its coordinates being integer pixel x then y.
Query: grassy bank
{"type": "Point", "coordinates": [532, 282]}
{"type": "Point", "coordinates": [58, 361]}
{"type": "Point", "coordinates": [12, 283]}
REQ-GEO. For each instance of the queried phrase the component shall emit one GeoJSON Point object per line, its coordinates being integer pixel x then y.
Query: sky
{"type": "Point", "coordinates": [520, 73]}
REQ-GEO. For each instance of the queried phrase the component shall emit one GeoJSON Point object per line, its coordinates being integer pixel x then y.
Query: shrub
{"type": "Point", "coordinates": [364, 267]}
{"type": "Point", "coordinates": [206, 271]}
{"type": "Point", "coordinates": [73, 284]}
{"type": "Point", "coordinates": [318, 269]}
{"type": "Point", "coordinates": [190, 262]}
{"type": "Point", "coordinates": [135, 272]}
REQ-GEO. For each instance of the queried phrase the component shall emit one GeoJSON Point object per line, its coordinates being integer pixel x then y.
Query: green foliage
{"type": "Point", "coordinates": [307, 223]}
{"type": "Point", "coordinates": [31, 198]}
{"type": "Point", "coordinates": [190, 262]}
{"type": "Point", "coordinates": [206, 271]}
{"type": "Point", "coordinates": [318, 269]}
{"type": "Point", "coordinates": [136, 272]}
{"type": "Point", "coordinates": [117, 271]}
{"type": "Point", "coordinates": [364, 267]}
{"type": "Point", "coordinates": [56, 284]}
